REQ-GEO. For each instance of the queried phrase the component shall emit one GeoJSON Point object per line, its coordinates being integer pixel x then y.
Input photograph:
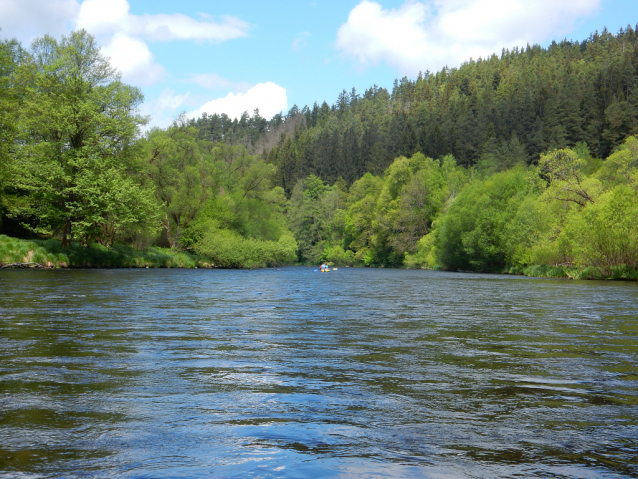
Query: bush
{"type": "Point", "coordinates": [546, 271]}
{"type": "Point", "coordinates": [337, 256]}
{"type": "Point", "coordinates": [425, 256]}
{"type": "Point", "coordinates": [624, 272]}
{"type": "Point", "coordinates": [50, 253]}
{"type": "Point", "coordinates": [590, 272]}
{"type": "Point", "coordinates": [228, 249]}
{"type": "Point", "coordinates": [605, 234]}
{"type": "Point", "coordinates": [473, 233]}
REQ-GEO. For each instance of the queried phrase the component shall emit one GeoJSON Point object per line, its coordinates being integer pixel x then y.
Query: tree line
{"type": "Point", "coordinates": [496, 112]}
{"type": "Point", "coordinates": [505, 163]}
{"type": "Point", "coordinates": [75, 166]}
{"type": "Point", "coordinates": [572, 211]}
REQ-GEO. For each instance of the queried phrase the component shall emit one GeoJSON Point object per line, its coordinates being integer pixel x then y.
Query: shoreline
{"type": "Point", "coordinates": [18, 253]}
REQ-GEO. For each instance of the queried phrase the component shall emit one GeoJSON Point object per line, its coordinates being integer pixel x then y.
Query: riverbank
{"type": "Point", "coordinates": [621, 272]}
{"type": "Point", "coordinates": [49, 254]}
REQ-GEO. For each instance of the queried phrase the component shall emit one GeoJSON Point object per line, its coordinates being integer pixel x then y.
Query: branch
{"type": "Point", "coordinates": [569, 199]}
{"type": "Point", "coordinates": [25, 265]}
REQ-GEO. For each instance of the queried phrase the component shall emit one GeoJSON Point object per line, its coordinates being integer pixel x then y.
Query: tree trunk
{"type": "Point", "coordinates": [66, 233]}
{"type": "Point", "coordinates": [167, 227]}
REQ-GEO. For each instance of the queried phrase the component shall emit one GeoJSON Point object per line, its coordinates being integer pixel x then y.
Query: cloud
{"type": "Point", "coordinates": [213, 81]}
{"type": "Point", "coordinates": [300, 42]}
{"type": "Point", "coordinates": [181, 27]}
{"type": "Point", "coordinates": [134, 59]}
{"type": "Point", "coordinates": [269, 97]}
{"type": "Point", "coordinates": [168, 100]}
{"type": "Point", "coordinates": [103, 17]}
{"type": "Point", "coordinates": [112, 16]}
{"type": "Point", "coordinates": [125, 35]}
{"type": "Point", "coordinates": [27, 19]}
{"type": "Point", "coordinates": [164, 109]}
{"type": "Point", "coordinates": [432, 34]}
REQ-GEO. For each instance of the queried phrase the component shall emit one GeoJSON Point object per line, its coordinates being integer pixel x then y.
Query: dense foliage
{"type": "Point", "coordinates": [570, 211]}
{"type": "Point", "coordinates": [75, 167]}
{"type": "Point", "coordinates": [494, 112]}
{"type": "Point", "coordinates": [524, 163]}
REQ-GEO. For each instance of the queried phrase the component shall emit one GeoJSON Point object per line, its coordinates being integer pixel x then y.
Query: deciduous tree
{"type": "Point", "coordinates": [77, 160]}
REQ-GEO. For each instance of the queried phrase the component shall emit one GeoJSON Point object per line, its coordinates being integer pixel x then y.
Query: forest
{"type": "Point", "coordinates": [524, 162]}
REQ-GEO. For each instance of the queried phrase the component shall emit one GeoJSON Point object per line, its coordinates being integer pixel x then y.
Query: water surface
{"type": "Point", "coordinates": [295, 373]}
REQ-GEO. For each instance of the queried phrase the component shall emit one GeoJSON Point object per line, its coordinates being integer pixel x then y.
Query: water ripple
{"type": "Point", "coordinates": [291, 373]}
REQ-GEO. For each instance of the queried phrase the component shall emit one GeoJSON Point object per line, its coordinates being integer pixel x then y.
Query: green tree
{"type": "Point", "coordinates": [564, 172]}
{"type": "Point", "coordinates": [621, 167]}
{"type": "Point", "coordinates": [473, 233]}
{"type": "Point", "coordinates": [182, 182]}
{"type": "Point", "coordinates": [10, 54]}
{"type": "Point", "coordinates": [361, 220]}
{"type": "Point", "coordinates": [316, 216]}
{"type": "Point", "coordinates": [77, 163]}
{"type": "Point", "coordinates": [604, 234]}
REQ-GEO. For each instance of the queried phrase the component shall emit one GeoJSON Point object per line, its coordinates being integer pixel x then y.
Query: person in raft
{"type": "Point", "coordinates": [323, 267]}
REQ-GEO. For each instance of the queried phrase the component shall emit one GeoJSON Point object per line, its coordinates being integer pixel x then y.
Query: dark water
{"type": "Point", "coordinates": [294, 373]}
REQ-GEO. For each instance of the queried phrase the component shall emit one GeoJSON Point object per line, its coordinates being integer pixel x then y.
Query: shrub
{"type": "Point", "coordinates": [338, 256]}
{"type": "Point", "coordinates": [228, 249]}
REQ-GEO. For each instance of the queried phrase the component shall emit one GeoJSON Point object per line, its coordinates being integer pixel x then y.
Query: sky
{"type": "Point", "coordinates": [222, 56]}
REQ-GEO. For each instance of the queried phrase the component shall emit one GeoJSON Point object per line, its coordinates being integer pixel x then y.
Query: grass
{"type": "Point", "coordinates": [621, 272]}
{"type": "Point", "coordinates": [50, 253]}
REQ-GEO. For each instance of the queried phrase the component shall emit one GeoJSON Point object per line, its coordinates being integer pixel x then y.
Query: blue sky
{"type": "Point", "coordinates": [198, 55]}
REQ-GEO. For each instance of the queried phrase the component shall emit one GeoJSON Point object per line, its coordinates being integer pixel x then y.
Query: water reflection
{"type": "Point", "coordinates": [289, 373]}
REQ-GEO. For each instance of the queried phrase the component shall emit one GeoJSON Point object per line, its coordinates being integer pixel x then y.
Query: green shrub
{"type": "Point", "coordinates": [425, 256]}
{"type": "Point", "coordinates": [545, 271]}
{"type": "Point", "coordinates": [605, 234]}
{"type": "Point", "coordinates": [590, 272]}
{"type": "Point", "coordinates": [624, 272]}
{"type": "Point", "coordinates": [473, 234]}
{"type": "Point", "coordinates": [337, 256]}
{"type": "Point", "coordinates": [50, 253]}
{"type": "Point", "coordinates": [228, 249]}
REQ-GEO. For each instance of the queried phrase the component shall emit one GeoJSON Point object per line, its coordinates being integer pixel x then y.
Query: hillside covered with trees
{"type": "Point", "coordinates": [494, 112]}
{"type": "Point", "coordinates": [523, 162]}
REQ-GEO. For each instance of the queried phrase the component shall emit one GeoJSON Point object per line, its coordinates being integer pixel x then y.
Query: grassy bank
{"type": "Point", "coordinates": [622, 272]}
{"type": "Point", "coordinates": [50, 254]}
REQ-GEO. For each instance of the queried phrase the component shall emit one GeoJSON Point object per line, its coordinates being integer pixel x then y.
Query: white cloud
{"type": "Point", "coordinates": [27, 19]}
{"type": "Point", "coordinates": [103, 17]}
{"type": "Point", "coordinates": [125, 34]}
{"type": "Point", "coordinates": [134, 59]}
{"type": "Point", "coordinates": [122, 33]}
{"type": "Point", "coordinates": [301, 41]}
{"type": "Point", "coordinates": [181, 27]}
{"type": "Point", "coordinates": [164, 109]}
{"type": "Point", "coordinates": [429, 35]}
{"type": "Point", "coordinates": [269, 97]}
{"type": "Point", "coordinates": [111, 16]}
{"type": "Point", "coordinates": [168, 100]}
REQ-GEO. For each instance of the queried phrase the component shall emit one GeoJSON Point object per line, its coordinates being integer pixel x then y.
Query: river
{"type": "Point", "coordinates": [295, 373]}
